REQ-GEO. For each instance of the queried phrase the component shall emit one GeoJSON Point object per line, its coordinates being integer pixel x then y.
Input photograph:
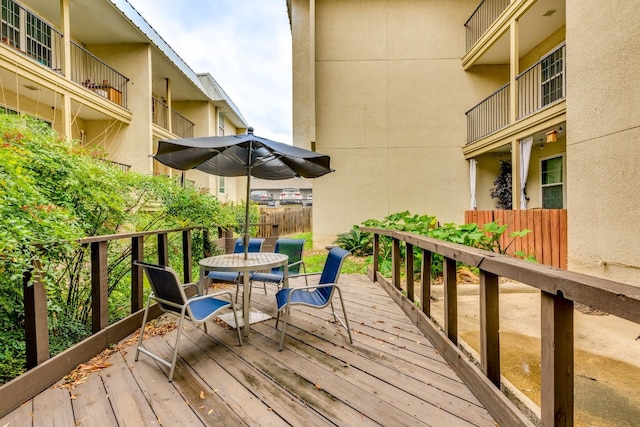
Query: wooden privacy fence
{"type": "Point", "coordinates": [289, 220]}
{"type": "Point", "coordinates": [547, 240]}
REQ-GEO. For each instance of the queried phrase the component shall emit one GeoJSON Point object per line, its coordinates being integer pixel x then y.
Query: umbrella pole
{"type": "Point", "coordinates": [246, 213]}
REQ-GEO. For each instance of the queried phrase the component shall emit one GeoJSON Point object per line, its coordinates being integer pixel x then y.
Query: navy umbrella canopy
{"type": "Point", "coordinates": [242, 155]}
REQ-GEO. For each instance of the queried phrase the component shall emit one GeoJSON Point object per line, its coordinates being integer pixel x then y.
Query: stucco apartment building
{"type": "Point", "coordinates": [418, 101]}
{"type": "Point", "coordinates": [99, 74]}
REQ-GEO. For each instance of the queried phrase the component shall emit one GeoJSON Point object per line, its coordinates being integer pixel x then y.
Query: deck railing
{"type": "Point", "coordinates": [92, 73]}
{"type": "Point", "coordinates": [560, 291]}
{"type": "Point", "coordinates": [481, 19]}
{"type": "Point", "coordinates": [160, 113]}
{"type": "Point", "coordinates": [26, 32]}
{"type": "Point", "coordinates": [489, 116]}
{"type": "Point", "coordinates": [180, 125]}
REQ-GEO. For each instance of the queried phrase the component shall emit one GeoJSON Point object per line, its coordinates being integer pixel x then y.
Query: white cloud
{"type": "Point", "coordinates": [244, 44]}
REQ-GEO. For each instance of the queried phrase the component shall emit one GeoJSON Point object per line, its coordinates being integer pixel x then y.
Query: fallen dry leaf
{"type": "Point", "coordinates": [202, 396]}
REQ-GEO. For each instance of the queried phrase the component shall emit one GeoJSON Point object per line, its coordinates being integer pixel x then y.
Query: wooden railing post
{"type": "Point", "coordinates": [395, 263]}
{"type": "Point", "coordinates": [450, 300]}
{"type": "Point", "coordinates": [426, 282]}
{"type": "Point", "coordinates": [187, 255]}
{"type": "Point", "coordinates": [376, 255]}
{"type": "Point", "coordinates": [137, 254]}
{"type": "Point", "coordinates": [409, 273]}
{"type": "Point", "coordinates": [163, 249]}
{"type": "Point", "coordinates": [99, 287]}
{"type": "Point", "coordinates": [557, 360]}
{"type": "Point", "coordinates": [36, 326]}
{"type": "Point", "coordinates": [489, 326]}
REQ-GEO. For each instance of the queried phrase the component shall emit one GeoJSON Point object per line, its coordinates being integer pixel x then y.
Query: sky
{"type": "Point", "coordinates": [244, 44]}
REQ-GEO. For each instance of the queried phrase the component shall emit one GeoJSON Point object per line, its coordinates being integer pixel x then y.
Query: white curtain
{"type": "Point", "coordinates": [525, 157]}
{"type": "Point", "coordinates": [472, 183]}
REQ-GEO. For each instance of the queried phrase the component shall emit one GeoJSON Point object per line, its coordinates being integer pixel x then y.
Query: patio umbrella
{"type": "Point", "coordinates": [242, 155]}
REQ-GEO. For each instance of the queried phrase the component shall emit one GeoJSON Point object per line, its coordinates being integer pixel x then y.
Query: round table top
{"type": "Point", "coordinates": [236, 262]}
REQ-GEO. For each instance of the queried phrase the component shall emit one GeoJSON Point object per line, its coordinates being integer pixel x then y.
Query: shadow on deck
{"type": "Point", "coordinates": [391, 375]}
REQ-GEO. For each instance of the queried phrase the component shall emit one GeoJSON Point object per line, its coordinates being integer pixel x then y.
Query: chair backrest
{"type": "Point", "coordinates": [331, 270]}
{"type": "Point", "coordinates": [293, 249]}
{"type": "Point", "coordinates": [255, 245]}
{"type": "Point", "coordinates": [165, 285]}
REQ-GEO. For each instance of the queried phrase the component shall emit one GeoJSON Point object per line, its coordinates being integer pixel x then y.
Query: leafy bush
{"type": "Point", "coordinates": [487, 238]}
{"type": "Point", "coordinates": [54, 192]}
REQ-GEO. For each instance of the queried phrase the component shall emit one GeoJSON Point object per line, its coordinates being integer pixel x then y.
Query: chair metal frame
{"type": "Point", "coordinates": [199, 308]}
{"type": "Point", "coordinates": [255, 245]}
{"type": "Point", "coordinates": [318, 296]}
{"type": "Point", "coordinates": [276, 275]}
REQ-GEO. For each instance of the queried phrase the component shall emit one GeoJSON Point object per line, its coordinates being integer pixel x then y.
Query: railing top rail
{"type": "Point", "coordinates": [109, 237]}
{"type": "Point", "coordinates": [618, 299]}
{"type": "Point", "coordinates": [474, 12]}
{"type": "Point", "coordinates": [503, 87]}
{"type": "Point", "coordinates": [539, 61]}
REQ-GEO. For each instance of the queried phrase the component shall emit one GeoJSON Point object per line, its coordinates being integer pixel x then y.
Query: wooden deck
{"type": "Point", "coordinates": [391, 375]}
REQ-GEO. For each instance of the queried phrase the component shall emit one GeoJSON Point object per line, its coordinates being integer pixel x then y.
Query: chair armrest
{"type": "Point", "coordinates": [213, 295]}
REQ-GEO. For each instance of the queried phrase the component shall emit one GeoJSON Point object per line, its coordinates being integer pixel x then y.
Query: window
{"type": "Point", "coordinates": [552, 77]}
{"type": "Point", "coordinates": [221, 185]}
{"type": "Point", "coordinates": [552, 175]}
{"type": "Point", "coordinates": [11, 23]}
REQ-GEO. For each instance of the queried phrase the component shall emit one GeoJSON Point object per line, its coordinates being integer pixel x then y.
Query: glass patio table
{"type": "Point", "coordinates": [236, 262]}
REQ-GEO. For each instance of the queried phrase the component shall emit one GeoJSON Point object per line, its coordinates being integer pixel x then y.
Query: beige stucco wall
{"type": "Point", "coordinates": [390, 97]}
{"type": "Point", "coordinates": [603, 146]}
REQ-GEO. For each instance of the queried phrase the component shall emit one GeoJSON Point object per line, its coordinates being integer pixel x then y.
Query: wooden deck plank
{"type": "Point", "coordinates": [130, 406]}
{"type": "Point", "coordinates": [203, 399]}
{"type": "Point", "coordinates": [52, 407]}
{"type": "Point", "coordinates": [167, 403]}
{"type": "Point", "coordinates": [22, 416]}
{"type": "Point", "coordinates": [245, 368]}
{"type": "Point", "coordinates": [91, 403]}
{"type": "Point", "coordinates": [391, 375]}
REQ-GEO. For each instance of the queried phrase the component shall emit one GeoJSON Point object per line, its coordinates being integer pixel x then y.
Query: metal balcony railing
{"type": "Point", "coordinates": [542, 84]}
{"type": "Point", "coordinates": [181, 126]}
{"type": "Point", "coordinates": [485, 14]}
{"type": "Point", "coordinates": [160, 113]}
{"type": "Point", "coordinates": [490, 115]}
{"type": "Point", "coordinates": [30, 35]}
{"type": "Point", "coordinates": [92, 73]}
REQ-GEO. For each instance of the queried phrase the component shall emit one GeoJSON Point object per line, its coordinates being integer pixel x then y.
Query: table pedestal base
{"type": "Point", "coordinates": [255, 316]}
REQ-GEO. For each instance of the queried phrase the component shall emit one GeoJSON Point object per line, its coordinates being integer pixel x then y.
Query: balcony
{"type": "Point", "coordinates": [32, 36]}
{"type": "Point", "coordinates": [180, 125]}
{"type": "Point", "coordinates": [539, 87]}
{"type": "Point", "coordinates": [35, 38]}
{"type": "Point", "coordinates": [485, 14]}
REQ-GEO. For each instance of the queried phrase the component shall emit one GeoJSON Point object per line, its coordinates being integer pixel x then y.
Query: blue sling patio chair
{"type": "Point", "coordinates": [235, 277]}
{"type": "Point", "coordinates": [293, 249]}
{"type": "Point", "coordinates": [170, 295]}
{"type": "Point", "coordinates": [318, 296]}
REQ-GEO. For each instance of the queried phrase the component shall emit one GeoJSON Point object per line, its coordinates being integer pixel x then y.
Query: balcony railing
{"type": "Point", "coordinates": [160, 113]}
{"type": "Point", "coordinates": [542, 84]}
{"type": "Point", "coordinates": [538, 87]}
{"type": "Point", "coordinates": [482, 18]}
{"type": "Point", "coordinates": [488, 116]}
{"type": "Point", "coordinates": [180, 125]}
{"type": "Point", "coordinates": [32, 36]}
{"type": "Point", "coordinates": [89, 71]}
